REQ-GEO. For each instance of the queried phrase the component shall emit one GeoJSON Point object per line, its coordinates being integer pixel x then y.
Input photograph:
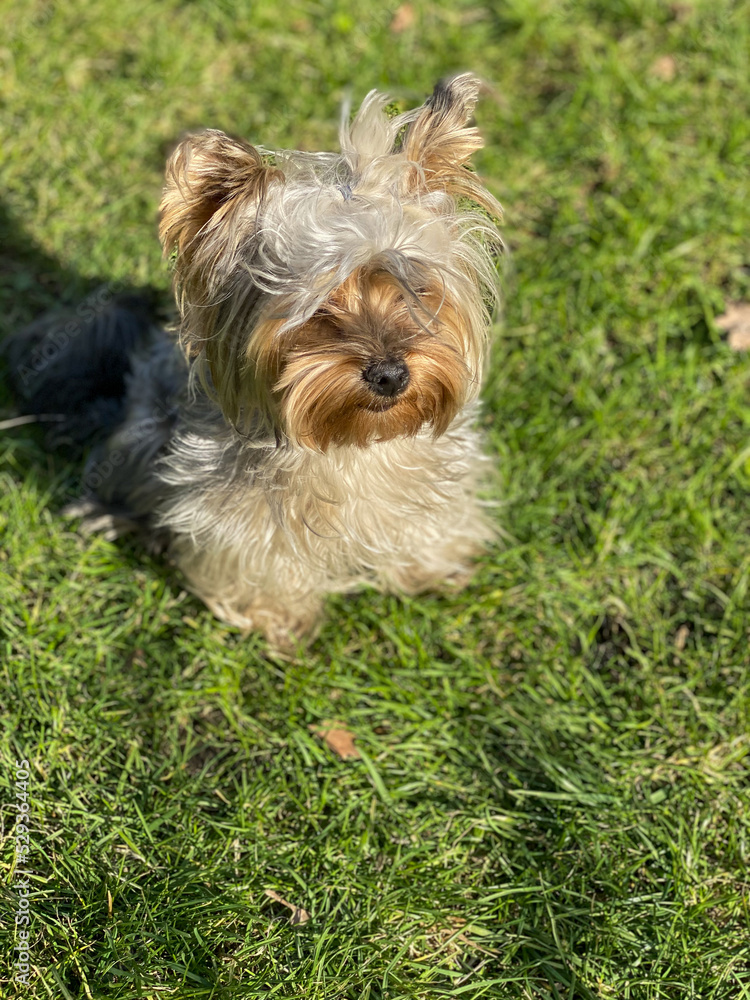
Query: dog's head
{"type": "Point", "coordinates": [340, 298]}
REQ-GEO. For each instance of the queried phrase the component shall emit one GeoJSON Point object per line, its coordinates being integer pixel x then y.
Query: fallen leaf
{"type": "Point", "coordinates": [337, 738]}
{"type": "Point", "coordinates": [736, 321]}
{"type": "Point", "coordinates": [681, 11]}
{"type": "Point", "coordinates": [664, 68]}
{"type": "Point", "coordinates": [299, 916]}
{"type": "Point", "coordinates": [681, 638]}
{"type": "Point", "coordinates": [403, 19]}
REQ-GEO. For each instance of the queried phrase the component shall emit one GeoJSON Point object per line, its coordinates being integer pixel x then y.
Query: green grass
{"type": "Point", "coordinates": [553, 797]}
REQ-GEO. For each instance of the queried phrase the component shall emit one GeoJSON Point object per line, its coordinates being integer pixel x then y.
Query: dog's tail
{"type": "Point", "coordinates": [70, 370]}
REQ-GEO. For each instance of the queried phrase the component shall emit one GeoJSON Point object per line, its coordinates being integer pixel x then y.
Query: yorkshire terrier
{"type": "Point", "coordinates": [311, 428]}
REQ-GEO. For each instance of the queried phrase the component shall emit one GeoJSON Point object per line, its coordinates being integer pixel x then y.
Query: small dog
{"type": "Point", "coordinates": [312, 430]}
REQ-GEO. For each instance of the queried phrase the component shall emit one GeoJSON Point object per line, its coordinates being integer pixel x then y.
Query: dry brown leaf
{"type": "Point", "coordinates": [681, 637]}
{"type": "Point", "coordinates": [736, 321]}
{"type": "Point", "coordinates": [664, 68]}
{"type": "Point", "coordinates": [299, 916]}
{"type": "Point", "coordinates": [403, 19]}
{"type": "Point", "coordinates": [681, 11]}
{"type": "Point", "coordinates": [338, 738]}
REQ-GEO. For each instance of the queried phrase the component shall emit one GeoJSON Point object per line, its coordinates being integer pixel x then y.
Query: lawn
{"type": "Point", "coordinates": [551, 798]}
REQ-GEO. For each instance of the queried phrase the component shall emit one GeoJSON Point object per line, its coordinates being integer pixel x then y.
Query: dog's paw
{"type": "Point", "coordinates": [286, 629]}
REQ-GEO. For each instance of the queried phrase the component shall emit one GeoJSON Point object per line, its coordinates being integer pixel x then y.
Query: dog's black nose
{"type": "Point", "coordinates": [387, 378]}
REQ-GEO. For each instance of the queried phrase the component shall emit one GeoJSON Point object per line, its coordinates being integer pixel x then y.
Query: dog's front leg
{"type": "Point", "coordinates": [268, 592]}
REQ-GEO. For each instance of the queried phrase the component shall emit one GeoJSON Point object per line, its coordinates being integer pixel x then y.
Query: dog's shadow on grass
{"type": "Point", "coordinates": [33, 283]}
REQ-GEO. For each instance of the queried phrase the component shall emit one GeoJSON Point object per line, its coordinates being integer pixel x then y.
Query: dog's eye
{"type": "Point", "coordinates": [327, 322]}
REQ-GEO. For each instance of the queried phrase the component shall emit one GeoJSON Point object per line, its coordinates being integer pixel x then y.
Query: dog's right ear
{"type": "Point", "coordinates": [207, 175]}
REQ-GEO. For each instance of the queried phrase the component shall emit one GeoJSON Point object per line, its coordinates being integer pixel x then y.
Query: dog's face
{"type": "Point", "coordinates": [373, 362]}
{"type": "Point", "coordinates": [338, 297]}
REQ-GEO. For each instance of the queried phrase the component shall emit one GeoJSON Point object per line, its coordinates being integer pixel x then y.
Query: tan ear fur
{"type": "Point", "coordinates": [441, 142]}
{"type": "Point", "coordinates": [205, 174]}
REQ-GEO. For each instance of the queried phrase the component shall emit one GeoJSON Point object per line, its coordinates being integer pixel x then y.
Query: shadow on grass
{"type": "Point", "coordinates": [33, 283]}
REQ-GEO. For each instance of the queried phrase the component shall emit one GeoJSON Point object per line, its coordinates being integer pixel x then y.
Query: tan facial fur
{"type": "Point", "coordinates": [319, 385]}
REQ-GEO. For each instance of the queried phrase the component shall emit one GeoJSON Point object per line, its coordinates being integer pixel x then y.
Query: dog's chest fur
{"type": "Point", "coordinates": [361, 509]}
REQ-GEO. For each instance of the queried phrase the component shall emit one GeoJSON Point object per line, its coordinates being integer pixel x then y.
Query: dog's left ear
{"type": "Point", "coordinates": [207, 175]}
{"type": "Point", "coordinates": [441, 141]}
